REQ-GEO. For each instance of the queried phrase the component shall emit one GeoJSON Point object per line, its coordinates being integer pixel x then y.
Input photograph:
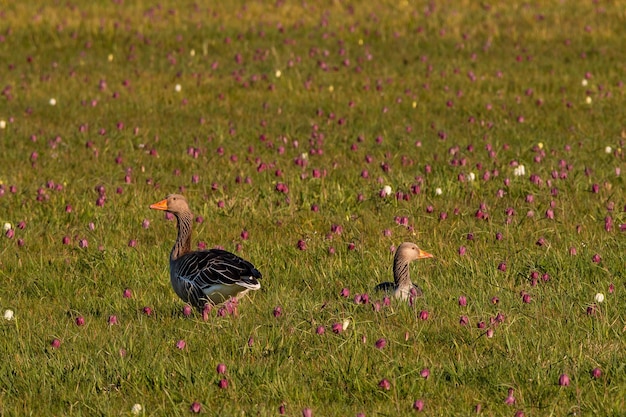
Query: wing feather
{"type": "Point", "coordinates": [204, 269]}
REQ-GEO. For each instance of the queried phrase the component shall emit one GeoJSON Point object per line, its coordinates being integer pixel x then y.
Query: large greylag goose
{"type": "Point", "coordinates": [402, 287]}
{"type": "Point", "coordinates": [208, 276]}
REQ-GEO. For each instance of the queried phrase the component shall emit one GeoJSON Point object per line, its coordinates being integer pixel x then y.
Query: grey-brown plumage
{"type": "Point", "coordinates": [402, 287]}
{"type": "Point", "coordinates": [209, 276]}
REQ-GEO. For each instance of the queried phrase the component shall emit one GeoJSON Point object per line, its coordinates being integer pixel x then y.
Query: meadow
{"type": "Point", "coordinates": [312, 138]}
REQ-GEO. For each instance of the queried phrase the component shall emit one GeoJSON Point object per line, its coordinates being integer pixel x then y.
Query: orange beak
{"type": "Point", "coordinates": [161, 205]}
{"type": "Point", "coordinates": [424, 255]}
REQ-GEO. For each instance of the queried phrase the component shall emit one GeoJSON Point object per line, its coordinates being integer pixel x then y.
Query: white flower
{"type": "Point", "coordinates": [387, 190]}
{"type": "Point", "coordinates": [136, 409]}
{"type": "Point", "coordinates": [110, 58]}
{"type": "Point", "coordinates": [7, 226]}
{"type": "Point", "coordinates": [345, 324]}
{"type": "Point", "coordinates": [278, 73]}
{"type": "Point", "coordinates": [331, 88]}
{"type": "Point", "coordinates": [584, 82]}
{"type": "Point", "coordinates": [192, 52]}
{"type": "Point", "coordinates": [3, 124]}
{"type": "Point", "coordinates": [53, 101]}
{"type": "Point", "coordinates": [608, 149]}
{"type": "Point", "coordinates": [438, 191]}
{"type": "Point", "coordinates": [599, 297]}
{"type": "Point", "coordinates": [519, 171]}
{"type": "Point", "coordinates": [588, 100]}
{"type": "Point", "coordinates": [177, 87]}
{"type": "Point", "coordinates": [8, 314]}
{"type": "Point", "coordinates": [471, 176]}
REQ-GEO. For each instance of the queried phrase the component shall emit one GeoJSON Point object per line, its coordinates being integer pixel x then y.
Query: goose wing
{"type": "Point", "coordinates": [204, 269]}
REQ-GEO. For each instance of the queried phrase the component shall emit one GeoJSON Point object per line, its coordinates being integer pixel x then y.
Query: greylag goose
{"type": "Point", "coordinates": [208, 276]}
{"type": "Point", "coordinates": [402, 287]}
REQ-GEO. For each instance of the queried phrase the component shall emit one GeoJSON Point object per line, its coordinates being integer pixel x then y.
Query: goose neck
{"type": "Point", "coordinates": [183, 241]}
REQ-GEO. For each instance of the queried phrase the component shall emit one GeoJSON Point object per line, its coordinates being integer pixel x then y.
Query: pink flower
{"type": "Point", "coordinates": [596, 258]}
{"type": "Point", "coordinates": [195, 407]}
{"type": "Point", "coordinates": [320, 330]}
{"type": "Point", "coordinates": [418, 405]}
{"type": "Point", "coordinates": [425, 373]}
{"type": "Point", "coordinates": [510, 399]}
{"type": "Point", "coordinates": [384, 384]}
{"type": "Point", "coordinates": [282, 188]}
{"type": "Point", "coordinates": [345, 292]}
{"type": "Point", "coordinates": [147, 311]}
{"type": "Point", "coordinates": [424, 315]}
{"type": "Point", "coordinates": [596, 373]}
{"type": "Point", "coordinates": [462, 301]}
{"type": "Point", "coordinates": [221, 368]}
{"type": "Point", "coordinates": [112, 320]}
{"type": "Point", "coordinates": [337, 328]}
{"type": "Point", "coordinates": [55, 343]}
{"type": "Point", "coordinates": [380, 343]}
{"type": "Point", "coordinates": [222, 383]}
{"type": "Point", "coordinates": [278, 311]}
{"type": "Point", "coordinates": [564, 380]}
{"type": "Point", "coordinates": [181, 344]}
{"type": "Point", "coordinates": [80, 321]}
{"type": "Point", "coordinates": [127, 293]}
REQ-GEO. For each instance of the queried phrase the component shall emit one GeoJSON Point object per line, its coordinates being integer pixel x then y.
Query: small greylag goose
{"type": "Point", "coordinates": [402, 287]}
{"type": "Point", "coordinates": [208, 276]}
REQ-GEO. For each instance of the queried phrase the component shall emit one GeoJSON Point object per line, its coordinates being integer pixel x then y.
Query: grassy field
{"type": "Point", "coordinates": [499, 128]}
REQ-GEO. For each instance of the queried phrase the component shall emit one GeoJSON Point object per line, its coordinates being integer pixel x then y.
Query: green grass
{"type": "Point", "coordinates": [469, 73]}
